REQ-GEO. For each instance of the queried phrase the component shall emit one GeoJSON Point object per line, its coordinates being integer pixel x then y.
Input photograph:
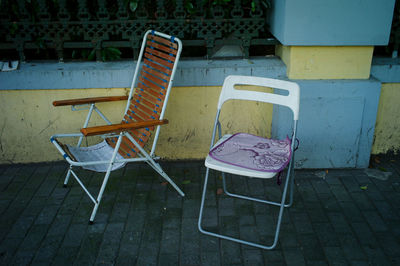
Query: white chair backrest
{"type": "Point", "coordinates": [292, 100]}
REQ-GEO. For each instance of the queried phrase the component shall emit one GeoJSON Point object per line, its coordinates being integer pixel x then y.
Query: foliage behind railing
{"type": "Point", "coordinates": [100, 28]}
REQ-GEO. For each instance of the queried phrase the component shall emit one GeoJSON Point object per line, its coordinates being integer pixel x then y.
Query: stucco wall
{"type": "Point", "coordinates": [28, 119]}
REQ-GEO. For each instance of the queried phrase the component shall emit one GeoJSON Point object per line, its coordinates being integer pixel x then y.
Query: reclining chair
{"type": "Point", "coordinates": [252, 156]}
{"type": "Point", "coordinates": [144, 113]}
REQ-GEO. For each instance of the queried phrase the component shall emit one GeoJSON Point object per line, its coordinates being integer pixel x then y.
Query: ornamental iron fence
{"type": "Point", "coordinates": [100, 29]}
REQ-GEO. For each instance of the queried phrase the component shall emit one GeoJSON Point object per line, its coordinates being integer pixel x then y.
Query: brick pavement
{"type": "Point", "coordinates": [339, 217]}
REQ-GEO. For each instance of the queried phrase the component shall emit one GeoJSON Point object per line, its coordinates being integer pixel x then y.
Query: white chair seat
{"type": "Point", "coordinates": [247, 167]}
{"type": "Point", "coordinates": [98, 152]}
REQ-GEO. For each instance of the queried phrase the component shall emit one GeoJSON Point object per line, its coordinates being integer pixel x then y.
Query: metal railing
{"type": "Point", "coordinates": [95, 25]}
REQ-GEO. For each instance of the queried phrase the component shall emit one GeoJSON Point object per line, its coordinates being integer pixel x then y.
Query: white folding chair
{"type": "Point", "coordinates": [252, 156]}
{"type": "Point", "coordinates": [145, 109]}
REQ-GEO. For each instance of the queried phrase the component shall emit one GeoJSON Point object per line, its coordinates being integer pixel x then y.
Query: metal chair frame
{"type": "Point", "coordinates": [230, 93]}
{"type": "Point", "coordinates": [119, 132]}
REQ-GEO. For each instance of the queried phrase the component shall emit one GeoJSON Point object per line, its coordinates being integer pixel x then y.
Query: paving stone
{"type": "Point", "coordinates": [293, 257]}
{"type": "Point", "coordinates": [210, 258]}
{"type": "Point", "coordinates": [326, 234]}
{"type": "Point", "coordinates": [311, 247]}
{"type": "Point", "coordinates": [364, 233]}
{"type": "Point", "coordinates": [390, 244]}
{"type": "Point", "coordinates": [7, 250]}
{"type": "Point", "coordinates": [351, 248]}
{"type": "Point", "coordinates": [301, 222]}
{"type": "Point", "coordinates": [335, 256]}
{"type": "Point", "coordinates": [339, 222]}
{"type": "Point", "coordinates": [65, 256]}
{"type": "Point", "coordinates": [89, 248]}
{"type": "Point", "coordinates": [230, 253]}
{"type": "Point", "coordinates": [351, 211]}
{"type": "Point", "coordinates": [47, 250]}
{"type": "Point", "coordinates": [252, 257]}
{"type": "Point", "coordinates": [375, 255]}
{"type": "Point", "coordinates": [143, 222]}
{"type": "Point", "coordinates": [375, 221]}
{"type": "Point", "coordinates": [168, 259]}
{"type": "Point", "coordinates": [316, 212]}
{"type": "Point", "coordinates": [129, 248]}
{"type": "Point", "coordinates": [340, 193]}
{"type": "Point", "coordinates": [108, 250]}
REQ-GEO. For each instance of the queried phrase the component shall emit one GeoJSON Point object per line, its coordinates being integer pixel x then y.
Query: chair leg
{"type": "Point", "coordinates": [68, 175]}
{"type": "Point", "coordinates": [100, 195]}
{"type": "Point", "coordinates": [278, 225]}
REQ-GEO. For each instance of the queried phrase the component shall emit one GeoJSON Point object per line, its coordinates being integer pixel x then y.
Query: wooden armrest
{"type": "Point", "coordinates": [99, 130]}
{"type": "Point", "coordinates": [89, 100]}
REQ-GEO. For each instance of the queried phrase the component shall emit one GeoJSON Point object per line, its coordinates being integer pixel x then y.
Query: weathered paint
{"type": "Point", "coordinates": [327, 62]}
{"type": "Point", "coordinates": [336, 122]}
{"type": "Point", "coordinates": [28, 119]}
{"type": "Point", "coordinates": [387, 128]}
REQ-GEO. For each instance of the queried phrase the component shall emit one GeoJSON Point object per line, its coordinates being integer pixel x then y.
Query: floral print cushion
{"type": "Point", "coordinates": [253, 152]}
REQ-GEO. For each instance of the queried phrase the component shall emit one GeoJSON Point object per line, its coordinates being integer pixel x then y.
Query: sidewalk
{"type": "Point", "coordinates": [339, 217]}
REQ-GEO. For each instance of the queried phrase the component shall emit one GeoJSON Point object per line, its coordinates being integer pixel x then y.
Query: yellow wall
{"type": "Point", "coordinates": [326, 62]}
{"type": "Point", "coordinates": [28, 119]}
{"type": "Point", "coordinates": [387, 129]}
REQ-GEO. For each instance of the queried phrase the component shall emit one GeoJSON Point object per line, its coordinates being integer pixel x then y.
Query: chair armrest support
{"type": "Point", "coordinates": [89, 100]}
{"type": "Point", "coordinates": [99, 130]}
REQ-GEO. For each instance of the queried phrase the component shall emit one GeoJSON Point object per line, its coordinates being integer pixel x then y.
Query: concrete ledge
{"type": "Point", "coordinates": [54, 75]}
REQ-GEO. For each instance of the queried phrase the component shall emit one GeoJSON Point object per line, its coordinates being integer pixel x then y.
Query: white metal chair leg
{"type": "Point", "coordinates": [100, 195]}
{"type": "Point", "coordinates": [68, 175]}
{"type": "Point", "coordinates": [278, 225]}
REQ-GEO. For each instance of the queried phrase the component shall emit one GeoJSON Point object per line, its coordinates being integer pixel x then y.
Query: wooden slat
{"type": "Point", "coordinates": [154, 79]}
{"type": "Point", "coordinates": [142, 100]}
{"type": "Point", "coordinates": [142, 132]}
{"type": "Point", "coordinates": [151, 91]}
{"type": "Point", "coordinates": [138, 135]}
{"type": "Point", "coordinates": [91, 131]}
{"type": "Point", "coordinates": [140, 107]}
{"type": "Point", "coordinates": [160, 68]}
{"type": "Point", "coordinates": [151, 85]}
{"type": "Point", "coordinates": [139, 115]}
{"type": "Point", "coordinates": [162, 40]}
{"type": "Point", "coordinates": [137, 118]}
{"type": "Point", "coordinates": [159, 60]}
{"type": "Point", "coordinates": [146, 109]}
{"type": "Point", "coordinates": [89, 100]}
{"type": "Point", "coordinates": [161, 47]}
{"type": "Point", "coordinates": [124, 147]}
{"type": "Point", "coordinates": [153, 72]}
{"type": "Point", "coordinates": [160, 54]}
{"type": "Point", "coordinates": [145, 96]}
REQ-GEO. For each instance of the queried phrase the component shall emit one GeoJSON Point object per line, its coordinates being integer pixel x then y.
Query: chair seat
{"type": "Point", "coordinates": [249, 155]}
{"type": "Point", "coordinates": [99, 152]}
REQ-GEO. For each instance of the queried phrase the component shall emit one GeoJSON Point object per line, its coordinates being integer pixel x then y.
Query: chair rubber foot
{"type": "Point", "coordinates": [64, 185]}
{"type": "Point", "coordinates": [91, 222]}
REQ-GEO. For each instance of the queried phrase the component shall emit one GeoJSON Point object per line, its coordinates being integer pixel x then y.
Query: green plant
{"type": "Point", "coordinates": [107, 54]}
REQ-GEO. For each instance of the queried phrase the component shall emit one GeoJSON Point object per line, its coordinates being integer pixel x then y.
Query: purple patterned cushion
{"type": "Point", "coordinates": [253, 152]}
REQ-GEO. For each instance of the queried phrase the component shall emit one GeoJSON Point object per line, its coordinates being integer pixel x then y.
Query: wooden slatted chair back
{"type": "Point", "coordinates": [159, 57]}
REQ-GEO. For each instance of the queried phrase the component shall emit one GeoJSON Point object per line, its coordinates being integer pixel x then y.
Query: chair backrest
{"type": "Point", "coordinates": [150, 88]}
{"type": "Point", "coordinates": [292, 100]}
